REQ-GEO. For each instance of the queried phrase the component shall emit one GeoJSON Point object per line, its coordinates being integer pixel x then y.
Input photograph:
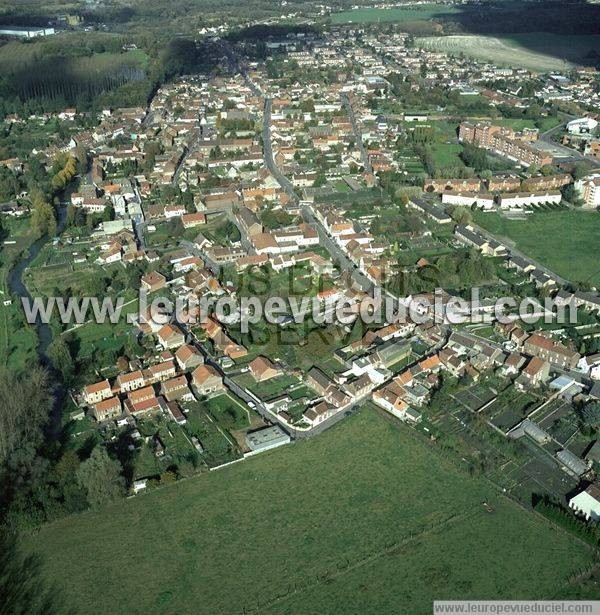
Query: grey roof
{"type": "Point", "coordinates": [472, 236]}
{"type": "Point", "coordinates": [518, 261]}
{"type": "Point", "coordinates": [460, 339]}
{"type": "Point", "coordinates": [572, 462]}
{"type": "Point", "coordinates": [319, 377]}
{"type": "Point", "coordinates": [588, 298]}
{"type": "Point", "coordinates": [435, 212]}
{"type": "Point", "coordinates": [392, 349]}
{"type": "Point", "coordinates": [495, 245]}
{"type": "Point", "coordinates": [266, 437]}
{"type": "Point", "coordinates": [540, 276]}
{"type": "Point", "coordinates": [595, 390]}
{"type": "Point", "coordinates": [248, 217]}
{"type": "Point", "coordinates": [535, 431]}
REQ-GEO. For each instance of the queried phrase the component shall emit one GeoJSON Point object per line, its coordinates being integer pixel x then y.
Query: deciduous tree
{"type": "Point", "coordinates": [102, 478]}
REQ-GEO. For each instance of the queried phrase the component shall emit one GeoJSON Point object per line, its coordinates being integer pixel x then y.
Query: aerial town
{"type": "Point", "coordinates": [347, 163]}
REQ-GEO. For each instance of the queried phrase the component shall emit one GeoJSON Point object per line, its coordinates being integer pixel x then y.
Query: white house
{"type": "Point", "coordinates": [319, 413]}
{"type": "Point", "coordinates": [113, 255]}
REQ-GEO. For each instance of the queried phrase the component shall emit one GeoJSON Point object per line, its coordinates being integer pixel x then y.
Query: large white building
{"type": "Point", "coordinates": [518, 200]}
{"type": "Point", "coordinates": [26, 32]}
{"type": "Point", "coordinates": [265, 439]}
{"type": "Point", "coordinates": [587, 503]}
{"type": "Point", "coordinates": [584, 125]}
{"type": "Point", "coordinates": [485, 200]}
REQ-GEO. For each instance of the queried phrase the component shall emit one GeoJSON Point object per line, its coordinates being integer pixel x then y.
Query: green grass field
{"type": "Point", "coordinates": [364, 518]}
{"type": "Point", "coordinates": [447, 155]}
{"type": "Point", "coordinates": [538, 51]}
{"type": "Point", "coordinates": [398, 14]}
{"type": "Point", "coordinates": [565, 241]}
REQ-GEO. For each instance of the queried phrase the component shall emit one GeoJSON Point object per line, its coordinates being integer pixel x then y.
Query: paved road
{"type": "Point", "coordinates": [186, 153]}
{"type": "Point", "coordinates": [140, 233]}
{"type": "Point", "coordinates": [345, 263]}
{"type": "Point", "coordinates": [236, 66]}
{"type": "Point", "coordinates": [284, 182]}
{"type": "Point", "coordinates": [357, 133]}
{"type": "Point", "coordinates": [244, 238]}
{"type": "Point", "coordinates": [149, 117]}
{"type": "Point", "coordinates": [269, 416]}
{"type": "Point", "coordinates": [337, 253]}
{"type": "Point", "coordinates": [187, 150]}
{"type": "Point", "coordinates": [193, 248]}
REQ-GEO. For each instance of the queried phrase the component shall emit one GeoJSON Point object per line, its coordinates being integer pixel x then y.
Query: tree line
{"type": "Point", "coordinates": [567, 519]}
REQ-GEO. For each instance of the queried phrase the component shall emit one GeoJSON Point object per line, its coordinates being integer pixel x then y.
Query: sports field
{"type": "Point", "coordinates": [363, 518]}
{"type": "Point", "coordinates": [537, 51]}
{"type": "Point", "coordinates": [566, 241]}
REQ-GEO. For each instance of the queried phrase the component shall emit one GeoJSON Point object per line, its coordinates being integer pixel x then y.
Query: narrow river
{"type": "Point", "coordinates": [43, 330]}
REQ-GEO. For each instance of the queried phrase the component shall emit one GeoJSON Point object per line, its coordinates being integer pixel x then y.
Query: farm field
{"type": "Point", "coordinates": [566, 241]}
{"type": "Point", "coordinates": [535, 51]}
{"type": "Point", "coordinates": [363, 518]}
{"type": "Point", "coordinates": [399, 14]}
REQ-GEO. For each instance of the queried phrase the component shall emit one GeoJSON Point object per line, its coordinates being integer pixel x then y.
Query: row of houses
{"type": "Point", "coordinates": [498, 184]}
{"type": "Point", "coordinates": [471, 237]}
{"type": "Point", "coordinates": [140, 391]}
{"type": "Point", "coordinates": [541, 346]}
{"type": "Point", "coordinates": [409, 390]}
{"type": "Point", "coordinates": [509, 201]}
{"type": "Point", "coordinates": [360, 247]}
{"type": "Point", "coordinates": [285, 240]}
